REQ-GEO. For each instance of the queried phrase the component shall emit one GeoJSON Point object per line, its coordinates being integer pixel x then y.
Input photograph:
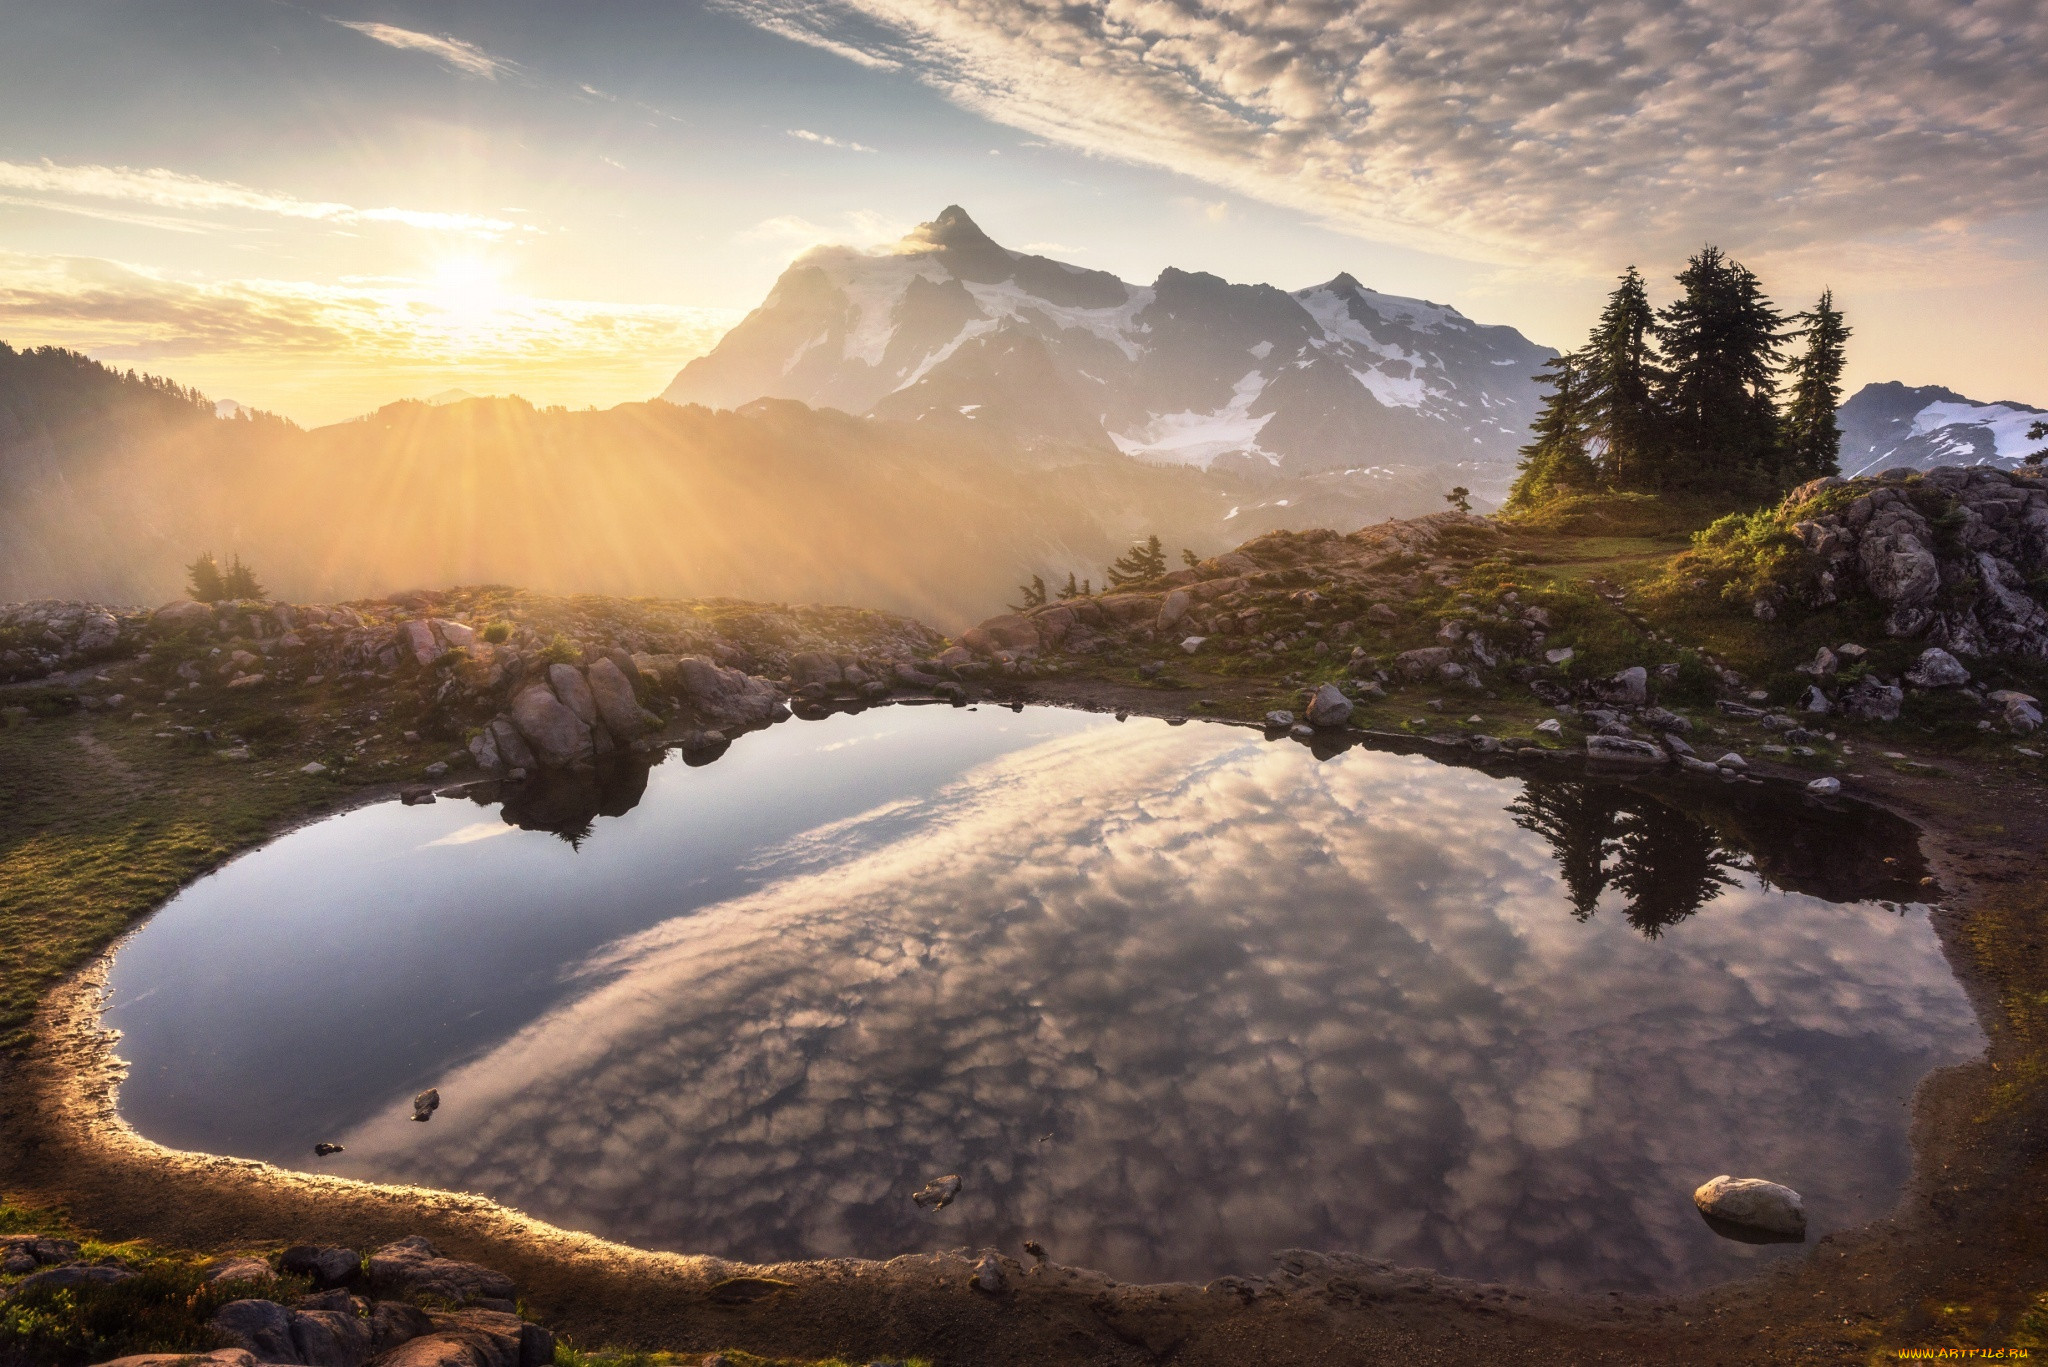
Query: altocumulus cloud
{"type": "Point", "coordinates": [1558, 127]}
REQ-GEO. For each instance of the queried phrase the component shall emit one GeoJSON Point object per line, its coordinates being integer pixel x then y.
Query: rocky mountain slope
{"type": "Point", "coordinates": [1894, 426]}
{"type": "Point", "coordinates": [950, 329]}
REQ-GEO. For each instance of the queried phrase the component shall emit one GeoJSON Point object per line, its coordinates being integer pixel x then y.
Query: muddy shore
{"type": "Point", "coordinates": [1960, 1261]}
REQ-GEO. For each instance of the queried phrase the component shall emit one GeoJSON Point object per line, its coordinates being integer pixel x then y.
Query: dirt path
{"type": "Point", "coordinates": [1959, 1263]}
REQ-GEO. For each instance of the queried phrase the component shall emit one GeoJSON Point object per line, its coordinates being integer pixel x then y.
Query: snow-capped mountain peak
{"type": "Point", "coordinates": [949, 326]}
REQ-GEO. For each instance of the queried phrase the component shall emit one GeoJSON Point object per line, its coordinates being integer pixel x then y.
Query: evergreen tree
{"type": "Point", "coordinates": [240, 581]}
{"type": "Point", "coordinates": [1812, 442]}
{"type": "Point", "coordinates": [204, 579]}
{"type": "Point", "coordinates": [1072, 590]}
{"type": "Point", "coordinates": [1622, 413]}
{"type": "Point", "coordinates": [1146, 561]}
{"type": "Point", "coordinates": [1579, 820]}
{"type": "Point", "coordinates": [1034, 593]}
{"type": "Point", "coordinates": [1189, 558]}
{"type": "Point", "coordinates": [1555, 461]}
{"type": "Point", "coordinates": [1720, 343]}
{"type": "Point", "coordinates": [1460, 498]}
{"type": "Point", "coordinates": [2035, 433]}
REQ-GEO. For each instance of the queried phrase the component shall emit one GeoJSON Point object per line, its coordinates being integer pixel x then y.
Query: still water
{"type": "Point", "coordinates": [1167, 998]}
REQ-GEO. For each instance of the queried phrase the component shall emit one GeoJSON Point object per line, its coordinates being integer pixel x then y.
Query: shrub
{"type": "Point", "coordinates": [497, 633]}
{"type": "Point", "coordinates": [560, 650]}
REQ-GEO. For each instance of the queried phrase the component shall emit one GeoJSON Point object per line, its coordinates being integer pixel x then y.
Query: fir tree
{"type": "Point", "coordinates": [2036, 433]}
{"type": "Point", "coordinates": [1146, 561]}
{"type": "Point", "coordinates": [1189, 558]}
{"type": "Point", "coordinates": [1034, 593]}
{"type": "Point", "coordinates": [240, 581]}
{"type": "Point", "coordinates": [1072, 590]}
{"type": "Point", "coordinates": [1622, 413]}
{"type": "Point", "coordinates": [204, 579]}
{"type": "Point", "coordinates": [1460, 498]}
{"type": "Point", "coordinates": [1719, 388]}
{"type": "Point", "coordinates": [1812, 442]}
{"type": "Point", "coordinates": [1555, 461]}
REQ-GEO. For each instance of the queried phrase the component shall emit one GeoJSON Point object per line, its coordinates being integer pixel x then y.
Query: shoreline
{"type": "Point", "coordinates": [70, 1147]}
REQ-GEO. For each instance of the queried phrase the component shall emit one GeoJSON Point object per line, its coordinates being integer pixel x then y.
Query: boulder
{"type": "Point", "coordinates": [1630, 687]}
{"type": "Point", "coordinates": [1280, 720]}
{"type": "Point", "coordinates": [558, 737]}
{"type": "Point", "coordinates": [419, 639]}
{"type": "Point", "coordinates": [1011, 631]}
{"type": "Point", "coordinates": [1420, 664]}
{"type": "Point", "coordinates": [2022, 716]}
{"type": "Point", "coordinates": [396, 1322]}
{"type": "Point", "coordinates": [1193, 644]}
{"type": "Point", "coordinates": [72, 1275]}
{"type": "Point", "coordinates": [1816, 701]}
{"type": "Point", "coordinates": [436, 1350]}
{"type": "Point", "coordinates": [726, 697]}
{"type": "Point", "coordinates": [1328, 707]}
{"type": "Point", "coordinates": [414, 1267]}
{"type": "Point", "coordinates": [1936, 668]}
{"type": "Point", "coordinates": [219, 1357]}
{"type": "Point", "coordinates": [1752, 1203]}
{"type": "Point", "coordinates": [183, 616]}
{"type": "Point", "coordinates": [457, 635]}
{"type": "Point", "coordinates": [1379, 614]}
{"type": "Point", "coordinates": [573, 689]}
{"type": "Point", "coordinates": [617, 708]}
{"type": "Point", "coordinates": [240, 1270]}
{"type": "Point", "coordinates": [1174, 608]}
{"type": "Point", "coordinates": [808, 667]}
{"type": "Point", "coordinates": [1825, 787]}
{"type": "Point", "coordinates": [513, 751]}
{"type": "Point", "coordinates": [262, 1327]}
{"type": "Point", "coordinates": [326, 1266]}
{"type": "Point", "coordinates": [1550, 726]}
{"type": "Point", "coordinates": [1621, 750]}
{"type": "Point", "coordinates": [1871, 699]}
{"type": "Point", "coordinates": [988, 1275]}
{"type": "Point", "coordinates": [331, 1338]}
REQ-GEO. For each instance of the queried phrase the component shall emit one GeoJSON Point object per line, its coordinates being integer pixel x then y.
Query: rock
{"type": "Point", "coordinates": [241, 1270]}
{"type": "Point", "coordinates": [483, 750]}
{"type": "Point", "coordinates": [327, 1266]}
{"type": "Point", "coordinates": [558, 737]}
{"type": "Point", "coordinates": [437, 1350]}
{"type": "Point", "coordinates": [331, 1338]}
{"type": "Point", "coordinates": [183, 616]}
{"type": "Point", "coordinates": [1551, 727]}
{"type": "Point", "coordinates": [1936, 668]}
{"type": "Point", "coordinates": [1731, 760]}
{"type": "Point", "coordinates": [417, 794]}
{"type": "Point", "coordinates": [513, 751]}
{"type": "Point", "coordinates": [617, 708]}
{"type": "Point", "coordinates": [1562, 655]}
{"type": "Point", "coordinates": [573, 689]}
{"type": "Point", "coordinates": [1751, 1203]}
{"type": "Point", "coordinates": [1328, 707]}
{"type": "Point", "coordinates": [1870, 699]}
{"type": "Point", "coordinates": [1852, 653]}
{"type": "Point", "coordinates": [314, 769]}
{"type": "Point", "coordinates": [988, 1275]}
{"type": "Point", "coordinates": [1693, 765]}
{"type": "Point", "coordinates": [1825, 664]}
{"type": "Point", "coordinates": [395, 1322]}
{"type": "Point", "coordinates": [426, 1103]}
{"type": "Point", "coordinates": [1816, 702]}
{"type": "Point", "coordinates": [1379, 614]}
{"type": "Point", "coordinates": [915, 677]}
{"type": "Point", "coordinates": [938, 1193]}
{"type": "Point", "coordinates": [1825, 787]}
{"type": "Point", "coordinates": [1675, 745]}
{"type": "Point", "coordinates": [261, 1327]}
{"type": "Point", "coordinates": [1631, 686]}
{"type": "Point", "coordinates": [1174, 608]}
{"type": "Point", "coordinates": [1301, 730]}
{"type": "Point", "coordinates": [2022, 716]}
{"type": "Point", "coordinates": [325, 1149]}
{"type": "Point", "coordinates": [72, 1275]}
{"type": "Point", "coordinates": [413, 1267]}
{"type": "Point", "coordinates": [419, 638]}
{"type": "Point", "coordinates": [1420, 664]}
{"type": "Point", "coordinates": [1279, 720]}
{"type": "Point", "coordinates": [457, 635]}
{"type": "Point", "coordinates": [1661, 719]}
{"type": "Point", "coordinates": [219, 1357]}
{"type": "Point", "coordinates": [1620, 750]}
{"type": "Point", "coordinates": [808, 667]}
{"type": "Point", "coordinates": [1192, 644]}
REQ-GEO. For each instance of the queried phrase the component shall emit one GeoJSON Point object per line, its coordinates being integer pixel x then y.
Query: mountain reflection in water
{"type": "Point", "coordinates": [1170, 999]}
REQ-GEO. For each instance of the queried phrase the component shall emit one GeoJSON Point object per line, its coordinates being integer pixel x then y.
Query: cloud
{"type": "Point", "coordinates": [806, 135]}
{"type": "Point", "coordinates": [326, 350]}
{"type": "Point", "coordinates": [467, 58]}
{"type": "Point", "coordinates": [861, 228]}
{"type": "Point", "coordinates": [175, 190]}
{"type": "Point", "coordinates": [1587, 128]}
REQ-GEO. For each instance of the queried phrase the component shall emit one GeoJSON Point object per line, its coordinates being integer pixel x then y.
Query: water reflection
{"type": "Point", "coordinates": [1255, 1001]}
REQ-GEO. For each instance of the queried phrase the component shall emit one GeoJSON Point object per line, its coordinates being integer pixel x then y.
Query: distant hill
{"type": "Point", "coordinates": [1893, 425]}
{"type": "Point", "coordinates": [112, 483]}
{"type": "Point", "coordinates": [950, 329]}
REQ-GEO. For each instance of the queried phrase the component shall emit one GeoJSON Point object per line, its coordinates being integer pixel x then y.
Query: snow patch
{"type": "Point", "coordinates": [1261, 350]}
{"type": "Point", "coordinates": [972, 330]}
{"type": "Point", "coordinates": [2007, 425]}
{"type": "Point", "coordinates": [1118, 325]}
{"type": "Point", "coordinates": [1390, 392]}
{"type": "Point", "coordinates": [1198, 438]}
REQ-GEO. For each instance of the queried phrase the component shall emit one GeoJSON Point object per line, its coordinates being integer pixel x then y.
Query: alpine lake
{"type": "Point", "coordinates": [1166, 998]}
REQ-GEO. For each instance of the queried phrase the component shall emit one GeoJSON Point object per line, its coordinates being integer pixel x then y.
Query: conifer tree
{"type": "Point", "coordinates": [1189, 558]}
{"type": "Point", "coordinates": [1146, 561]}
{"type": "Point", "coordinates": [1460, 498]}
{"type": "Point", "coordinates": [1812, 442]}
{"type": "Point", "coordinates": [240, 581]}
{"type": "Point", "coordinates": [1622, 413]}
{"type": "Point", "coordinates": [1719, 388]}
{"type": "Point", "coordinates": [1034, 593]}
{"type": "Point", "coordinates": [204, 579]}
{"type": "Point", "coordinates": [1072, 590]}
{"type": "Point", "coordinates": [1555, 461]}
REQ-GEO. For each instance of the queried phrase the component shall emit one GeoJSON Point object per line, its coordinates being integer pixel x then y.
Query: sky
{"type": "Point", "coordinates": [317, 210]}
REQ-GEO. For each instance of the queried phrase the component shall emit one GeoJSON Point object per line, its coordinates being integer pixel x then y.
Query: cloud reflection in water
{"type": "Point", "coordinates": [1256, 1002]}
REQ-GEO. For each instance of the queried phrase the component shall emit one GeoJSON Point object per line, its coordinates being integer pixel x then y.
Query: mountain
{"type": "Point", "coordinates": [1894, 425]}
{"type": "Point", "coordinates": [949, 329]}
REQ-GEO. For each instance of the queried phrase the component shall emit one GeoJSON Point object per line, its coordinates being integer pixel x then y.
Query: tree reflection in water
{"type": "Point", "coordinates": [1665, 863]}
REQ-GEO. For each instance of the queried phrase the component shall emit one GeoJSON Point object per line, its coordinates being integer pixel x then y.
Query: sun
{"type": "Point", "coordinates": [468, 286]}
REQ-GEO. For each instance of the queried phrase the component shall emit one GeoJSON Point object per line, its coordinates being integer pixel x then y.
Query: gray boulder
{"type": "Point", "coordinates": [326, 1266]}
{"type": "Point", "coordinates": [558, 737]}
{"type": "Point", "coordinates": [1870, 699]}
{"type": "Point", "coordinates": [1328, 707]}
{"type": "Point", "coordinates": [262, 1327]}
{"type": "Point", "coordinates": [1631, 686]}
{"type": "Point", "coordinates": [437, 1350]}
{"type": "Point", "coordinates": [71, 1276]}
{"type": "Point", "coordinates": [724, 697]}
{"type": "Point", "coordinates": [331, 1338]}
{"type": "Point", "coordinates": [1752, 1203]}
{"type": "Point", "coordinates": [219, 1357]}
{"type": "Point", "coordinates": [1420, 664]}
{"type": "Point", "coordinates": [513, 751]}
{"type": "Point", "coordinates": [1280, 720]}
{"type": "Point", "coordinates": [183, 615]}
{"type": "Point", "coordinates": [617, 708]}
{"type": "Point", "coordinates": [1936, 668]}
{"type": "Point", "coordinates": [241, 1270]}
{"type": "Point", "coordinates": [574, 690]}
{"type": "Point", "coordinates": [414, 1267]}
{"type": "Point", "coordinates": [1621, 750]}
{"type": "Point", "coordinates": [815, 667]}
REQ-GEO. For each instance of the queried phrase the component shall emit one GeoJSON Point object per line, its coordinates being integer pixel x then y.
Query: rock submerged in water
{"type": "Point", "coordinates": [1752, 1209]}
{"type": "Point", "coordinates": [938, 1193]}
